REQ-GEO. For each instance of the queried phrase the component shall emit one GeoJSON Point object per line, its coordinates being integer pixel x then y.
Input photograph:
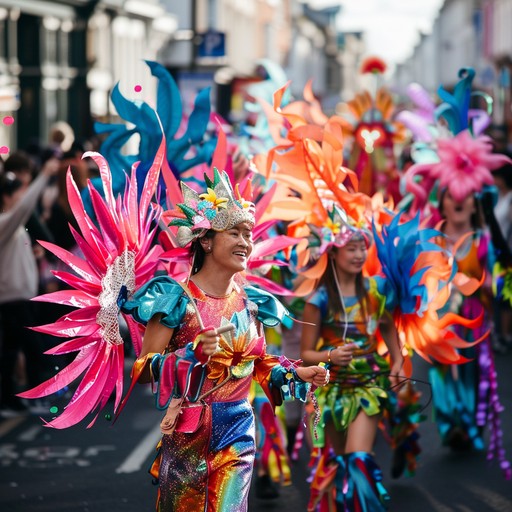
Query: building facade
{"type": "Point", "coordinates": [467, 33]}
{"type": "Point", "coordinates": [59, 60]}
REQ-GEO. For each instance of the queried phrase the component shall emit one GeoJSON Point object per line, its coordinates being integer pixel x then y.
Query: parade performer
{"type": "Point", "coordinates": [344, 319]}
{"type": "Point", "coordinates": [390, 290]}
{"type": "Point", "coordinates": [452, 177]}
{"type": "Point", "coordinates": [210, 468]}
{"type": "Point", "coordinates": [203, 343]}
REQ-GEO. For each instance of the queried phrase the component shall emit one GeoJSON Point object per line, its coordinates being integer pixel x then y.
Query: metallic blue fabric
{"type": "Point", "coordinates": [360, 481]}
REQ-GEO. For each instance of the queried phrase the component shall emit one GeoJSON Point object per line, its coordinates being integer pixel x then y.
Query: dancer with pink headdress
{"type": "Point", "coordinates": [452, 183]}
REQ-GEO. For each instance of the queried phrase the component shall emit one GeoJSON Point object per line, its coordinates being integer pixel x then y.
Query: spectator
{"type": "Point", "coordinates": [18, 284]}
{"type": "Point", "coordinates": [22, 167]}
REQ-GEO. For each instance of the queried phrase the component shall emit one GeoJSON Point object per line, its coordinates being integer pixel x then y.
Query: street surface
{"type": "Point", "coordinates": [104, 468]}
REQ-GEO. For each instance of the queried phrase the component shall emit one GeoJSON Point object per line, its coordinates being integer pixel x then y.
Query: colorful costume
{"type": "Point", "coordinates": [211, 469]}
{"type": "Point", "coordinates": [327, 208]}
{"type": "Point", "coordinates": [375, 134]}
{"type": "Point", "coordinates": [120, 262]}
{"type": "Point", "coordinates": [458, 162]}
{"type": "Point", "coordinates": [465, 398]}
{"type": "Point", "coordinates": [359, 386]}
{"type": "Point", "coordinates": [121, 255]}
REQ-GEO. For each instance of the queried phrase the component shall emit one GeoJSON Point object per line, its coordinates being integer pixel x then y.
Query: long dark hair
{"type": "Point", "coordinates": [333, 294]}
{"type": "Point", "coordinates": [197, 252]}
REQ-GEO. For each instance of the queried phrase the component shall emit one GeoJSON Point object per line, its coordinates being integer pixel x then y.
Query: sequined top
{"type": "Point", "coordinates": [241, 352]}
{"type": "Point", "coordinates": [362, 384]}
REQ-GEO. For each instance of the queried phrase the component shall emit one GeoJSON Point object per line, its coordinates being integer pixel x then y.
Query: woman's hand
{"type": "Point", "coordinates": [397, 375]}
{"type": "Point", "coordinates": [208, 341]}
{"type": "Point", "coordinates": [317, 375]}
{"type": "Point", "coordinates": [342, 355]}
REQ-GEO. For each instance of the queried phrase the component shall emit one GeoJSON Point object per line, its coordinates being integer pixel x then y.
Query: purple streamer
{"type": "Point", "coordinates": [488, 407]}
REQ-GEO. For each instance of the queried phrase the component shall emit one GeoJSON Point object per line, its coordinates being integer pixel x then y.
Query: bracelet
{"type": "Point", "coordinates": [329, 355]}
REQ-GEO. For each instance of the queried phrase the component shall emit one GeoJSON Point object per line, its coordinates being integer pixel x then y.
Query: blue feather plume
{"type": "Point", "coordinates": [150, 125]}
{"type": "Point", "coordinates": [455, 107]}
{"type": "Point", "coordinates": [398, 248]}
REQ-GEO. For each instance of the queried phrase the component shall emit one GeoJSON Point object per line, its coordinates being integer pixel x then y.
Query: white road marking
{"type": "Point", "coordinates": [30, 434]}
{"type": "Point", "coordinates": [138, 456]}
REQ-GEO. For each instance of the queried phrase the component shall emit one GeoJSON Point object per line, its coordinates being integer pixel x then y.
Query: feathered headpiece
{"type": "Point", "coordinates": [461, 160]}
{"type": "Point", "coordinates": [219, 208]}
{"type": "Point", "coordinates": [188, 144]}
{"type": "Point", "coordinates": [323, 203]}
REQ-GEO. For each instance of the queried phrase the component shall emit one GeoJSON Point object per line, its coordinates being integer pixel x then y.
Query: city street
{"type": "Point", "coordinates": [352, 158]}
{"type": "Point", "coordinates": [104, 468]}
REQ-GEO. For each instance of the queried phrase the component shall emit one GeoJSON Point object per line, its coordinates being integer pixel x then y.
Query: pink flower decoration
{"type": "Point", "coordinates": [465, 164]}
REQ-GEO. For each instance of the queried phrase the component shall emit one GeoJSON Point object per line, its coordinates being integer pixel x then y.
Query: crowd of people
{"type": "Point", "coordinates": [34, 210]}
{"type": "Point", "coordinates": [350, 283]}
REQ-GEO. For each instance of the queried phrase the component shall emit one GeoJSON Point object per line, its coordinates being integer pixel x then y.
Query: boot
{"type": "Point", "coordinates": [364, 490]}
{"type": "Point", "coordinates": [341, 483]}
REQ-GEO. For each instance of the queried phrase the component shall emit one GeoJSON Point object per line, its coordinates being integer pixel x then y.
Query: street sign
{"type": "Point", "coordinates": [213, 44]}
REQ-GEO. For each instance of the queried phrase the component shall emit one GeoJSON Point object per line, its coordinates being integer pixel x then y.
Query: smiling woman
{"type": "Point", "coordinates": [203, 345]}
{"type": "Point", "coordinates": [226, 251]}
{"type": "Point", "coordinates": [343, 319]}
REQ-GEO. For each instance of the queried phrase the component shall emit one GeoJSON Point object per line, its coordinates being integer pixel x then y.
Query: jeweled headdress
{"type": "Point", "coordinates": [219, 208]}
{"type": "Point", "coordinates": [337, 231]}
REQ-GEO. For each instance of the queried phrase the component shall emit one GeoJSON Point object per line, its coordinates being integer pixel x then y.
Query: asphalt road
{"type": "Point", "coordinates": [104, 468]}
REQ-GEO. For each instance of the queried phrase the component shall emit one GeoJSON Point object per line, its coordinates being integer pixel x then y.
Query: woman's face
{"type": "Point", "coordinates": [232, 248]}
{"type": "Point", "coordinates": [351, 258]}
{"type": "Point", "coordinates": [458, 211]}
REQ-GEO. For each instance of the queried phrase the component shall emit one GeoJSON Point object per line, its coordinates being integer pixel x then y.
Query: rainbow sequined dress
{"type": "Point", "coordinates": [210, 469]}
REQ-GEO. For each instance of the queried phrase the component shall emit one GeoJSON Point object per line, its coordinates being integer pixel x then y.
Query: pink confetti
{"type": "Point", "coordinates": [4, 150]}
{"type": "Point", "coordinates": [138, 88]}
{"type": "Point", "coordinates": [8, 120]}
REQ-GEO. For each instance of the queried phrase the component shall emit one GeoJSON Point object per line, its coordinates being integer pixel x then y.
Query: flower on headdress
{"type": "Point", "coordinates": [465, 164]}
{"type": "Point", "coordinates": [211, 197]}
{"type": "Point", "coordinates": [333, 227]}
{"type": "Point", "coordinates": [337, 230]}
{"type": "Point", "coordinates": [216, 209]}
